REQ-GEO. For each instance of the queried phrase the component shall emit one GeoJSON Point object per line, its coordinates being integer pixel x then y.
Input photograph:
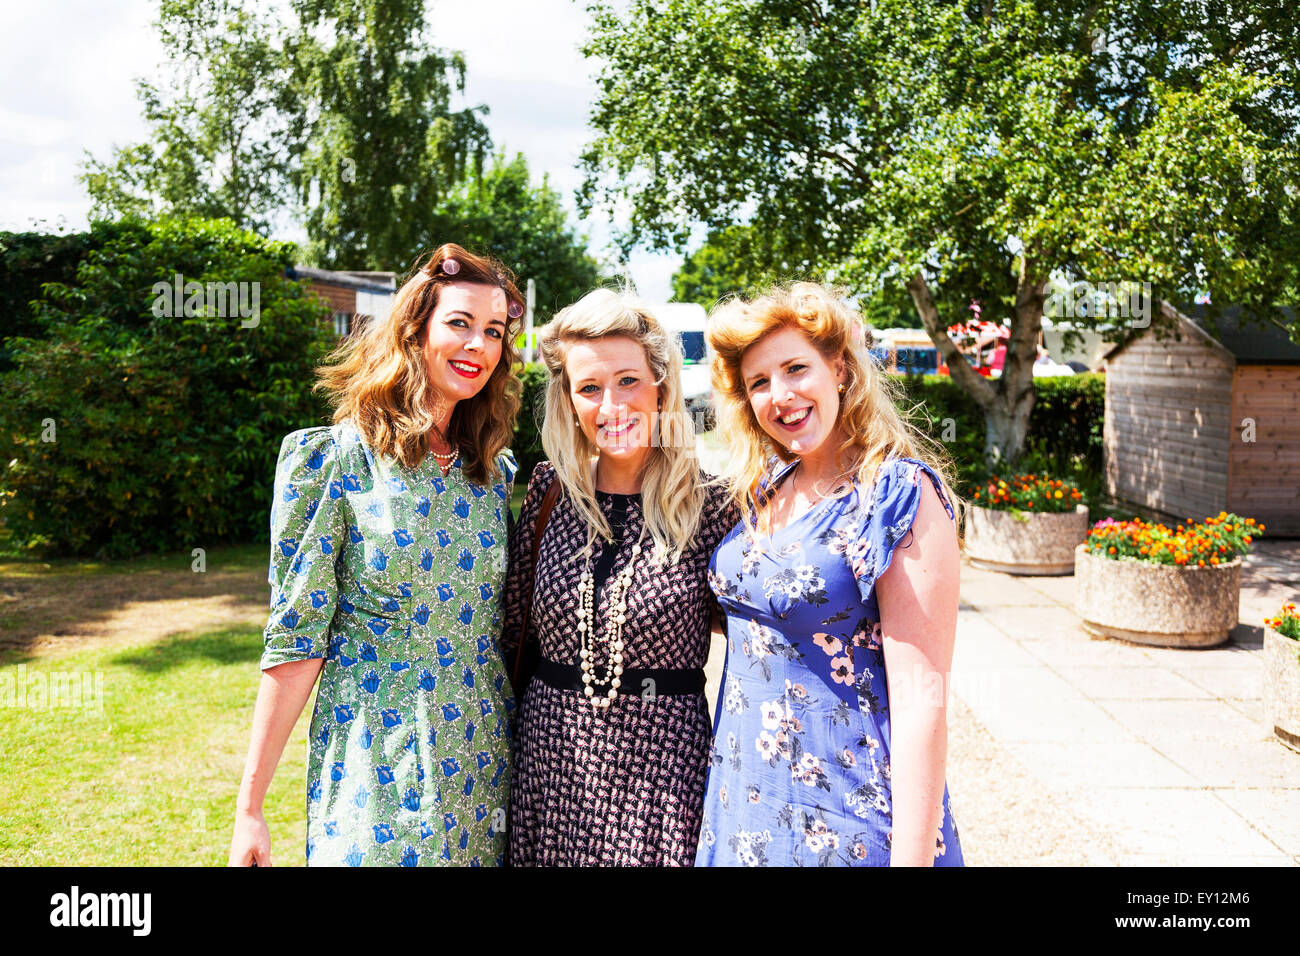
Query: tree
{"type": "Point", "coordinates": [736, 259]}
{"type": "Point", "coordinates": [965, 151]}
{"type": "Point", "coordinates": [742, 260]}
{"type": "Point", "coordinates": [525, 226]}
{"type": "Point", "coordinates": [381, 144]}
{"type": "Point", "coordinates": [339, 114]}
{"type": "Point", "coordinates": [219, 137]}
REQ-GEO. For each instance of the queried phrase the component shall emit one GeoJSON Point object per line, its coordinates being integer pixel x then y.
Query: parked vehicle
{"type": "Point", "coordinates": [688, 321]}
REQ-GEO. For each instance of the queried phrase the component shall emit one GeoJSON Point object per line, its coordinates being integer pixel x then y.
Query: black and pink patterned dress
{"type": "Point", "coordinates": [623, 786]}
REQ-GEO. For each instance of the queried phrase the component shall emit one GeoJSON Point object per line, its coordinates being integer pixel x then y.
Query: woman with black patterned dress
{"type": "Point", "coordinates": [613, 733]}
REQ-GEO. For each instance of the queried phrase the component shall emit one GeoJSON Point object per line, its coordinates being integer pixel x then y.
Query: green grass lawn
{"type": "Point", "coordinates": [147, 772]}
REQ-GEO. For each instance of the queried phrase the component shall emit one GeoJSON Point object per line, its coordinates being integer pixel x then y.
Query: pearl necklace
{"type": "Point", "coordinates": [613, 664]}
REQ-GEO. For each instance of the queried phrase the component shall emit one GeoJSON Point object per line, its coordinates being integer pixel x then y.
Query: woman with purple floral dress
{"type": "Point", "coordinates": [840, 594]}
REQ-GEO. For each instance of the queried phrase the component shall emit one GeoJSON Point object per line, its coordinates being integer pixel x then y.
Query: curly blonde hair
{"type": "Point", "coordinates": [672, 493]}
{"type": "Point", "coordinates": [378, 381]}
{"type": "Point", "coordinates": [868, 416]}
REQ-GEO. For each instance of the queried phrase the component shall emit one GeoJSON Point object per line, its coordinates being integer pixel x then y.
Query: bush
{"type": "Point", "coordinates": [1065, 428]}
{"type": "Point", "coordinates": [527, 445]}
{"type": "Point", "coordinates": [28, 260]}
{"type": "Point", "coordinates": [165, 429]}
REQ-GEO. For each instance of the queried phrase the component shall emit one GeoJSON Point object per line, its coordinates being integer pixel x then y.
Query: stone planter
{"type": "Point", "coordinates": [1030, 544]}
{"type": "Point", "coordinates": [1282, 686]}
{"type": "Point", "coordinates": [1161, 604]}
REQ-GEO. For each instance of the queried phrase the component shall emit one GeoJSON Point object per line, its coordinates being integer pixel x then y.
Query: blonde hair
{"type": "Point", "coordinates": [868, 416]}
{"type": "Point", "coordinates": [672, 495]}
{"type": "Point", "coordinates": [379, 382]}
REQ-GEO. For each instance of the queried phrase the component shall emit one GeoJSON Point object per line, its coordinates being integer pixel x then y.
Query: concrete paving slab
{"type": "Point", "coordinates": [1247, 763]}
{"type": "Point", "coordinates": [1005, 815]}
{"type": "Point", "coordinates": [1059, 588]}
{"type": "Point", "coordinates": [1085, 765]}
{"type": "Point", "coordinates": [1225, 681]}
{"type": "Point", "coordinates": [1178, 825]}
{"type": "Point", "coordinates": [983, 589]}
{"type": "Point", "coordinates": [1063, 721]}
{"type": "Point", "coordinates": [1276, 813]}
{"type": "Point", "coordinates": [1251, 707]}
{"type": "Point", "coordinates": [984, 647]}
{"type": "Point", "coordinates": [1158, 720]}
{"type": "Point", "coordinates": [1034, 623]}
{"type": "Point", "coordinates": [1205, 860]}
{"type": "Point", "coordinates": [1133, 683]}
{"type": "Point", "coordinates": [1079, 650]}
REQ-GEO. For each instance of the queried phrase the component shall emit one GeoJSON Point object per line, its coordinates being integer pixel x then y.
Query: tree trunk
{"type": "Point", "coordinates": [1006, 422]}
{"type": "Point", "coordinates": [1007, 402]}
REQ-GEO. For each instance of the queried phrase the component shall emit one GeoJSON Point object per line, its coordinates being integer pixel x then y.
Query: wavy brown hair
{"type": "Point", "coordinates": [377, 379]}
{"type": "Point", "coordinates": [868, 416]}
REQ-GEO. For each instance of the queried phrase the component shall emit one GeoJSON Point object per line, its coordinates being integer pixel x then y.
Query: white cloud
{"type": "Point", "coordinates": [67, 85]}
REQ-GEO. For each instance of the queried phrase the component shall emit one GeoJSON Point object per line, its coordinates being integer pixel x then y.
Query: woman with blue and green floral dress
{"type": "Point", "coordinates": [387, 567]}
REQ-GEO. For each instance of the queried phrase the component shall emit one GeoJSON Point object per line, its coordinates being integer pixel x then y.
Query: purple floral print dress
{"type": "Point", "coordinates": [800, 772]}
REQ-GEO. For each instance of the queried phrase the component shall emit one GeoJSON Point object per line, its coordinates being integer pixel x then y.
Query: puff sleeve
{"type": "Point", "coordinates": [307, 532]}
{"type": "Point", "coordinates": [895, 498]}
{"type": "Point", "coordinates": [508, 468]}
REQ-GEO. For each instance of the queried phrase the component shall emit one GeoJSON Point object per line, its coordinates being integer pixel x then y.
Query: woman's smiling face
{"type": "Point", "coordinates": [463, 338]}
{"type": "Point", "coordinates": [614, 396]}
{"type": "Point", "coordinates": [792, 389]}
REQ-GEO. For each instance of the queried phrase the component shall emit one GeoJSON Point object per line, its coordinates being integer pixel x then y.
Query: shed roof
{"type": "Point", "coordinates": [1249, 342]}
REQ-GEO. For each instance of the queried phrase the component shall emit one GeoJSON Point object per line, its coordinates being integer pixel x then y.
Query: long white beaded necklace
{"type": "Point", "coordinates": [613, 638]}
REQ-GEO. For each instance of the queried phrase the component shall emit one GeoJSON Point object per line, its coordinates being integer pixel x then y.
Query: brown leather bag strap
{"type": "Point", "coordinates": [548, 502]}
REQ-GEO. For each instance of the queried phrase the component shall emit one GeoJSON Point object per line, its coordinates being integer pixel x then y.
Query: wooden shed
{"type": "Point", "coordinates": [1206, 422]}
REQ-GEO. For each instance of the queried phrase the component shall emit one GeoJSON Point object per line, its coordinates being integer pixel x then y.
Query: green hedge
{"type": "Point", "coordinates": [165, 429]}
{"type": "Point", "coordinates": [527, 445]}
{"type": "Point", "coordinates": [1065, 427]}
{"type": "Point", "coordinates": [28, 260]}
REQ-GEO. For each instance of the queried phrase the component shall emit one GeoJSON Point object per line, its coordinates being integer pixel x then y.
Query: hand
{"type": "Point", "coordinates": [252, 840]}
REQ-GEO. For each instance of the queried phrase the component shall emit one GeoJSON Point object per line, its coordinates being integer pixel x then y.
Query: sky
{"type": "Point", "coordinates": [67, 72]}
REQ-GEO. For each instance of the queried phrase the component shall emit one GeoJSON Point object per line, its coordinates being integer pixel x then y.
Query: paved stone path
{"type": "Point", "coordinates": [1165, 752]}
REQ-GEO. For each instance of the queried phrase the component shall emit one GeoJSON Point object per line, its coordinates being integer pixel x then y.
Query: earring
{"type": "Point", "coordinates": [841, 388]}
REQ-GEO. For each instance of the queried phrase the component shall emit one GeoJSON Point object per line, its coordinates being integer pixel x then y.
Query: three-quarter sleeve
{"type": "Point", "coordinates": [307, 533]}
{"type": "Point", "coordinates": [519, 572]}
{"type": "Point", "coordinates": [895, 500]}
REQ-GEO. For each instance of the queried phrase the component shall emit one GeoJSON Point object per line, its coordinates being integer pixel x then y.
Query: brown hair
{"type": "Point", "coordinates": [377, 380]}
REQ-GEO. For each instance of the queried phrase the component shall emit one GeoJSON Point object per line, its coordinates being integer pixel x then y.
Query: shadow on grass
{"type": "Point", "coordinates": [74, 604]}
{"type": "Point", "coordinates": [235, 645]}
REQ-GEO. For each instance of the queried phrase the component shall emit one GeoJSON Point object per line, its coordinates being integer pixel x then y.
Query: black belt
{"type": "Point", "coordinates": [663, 682]}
